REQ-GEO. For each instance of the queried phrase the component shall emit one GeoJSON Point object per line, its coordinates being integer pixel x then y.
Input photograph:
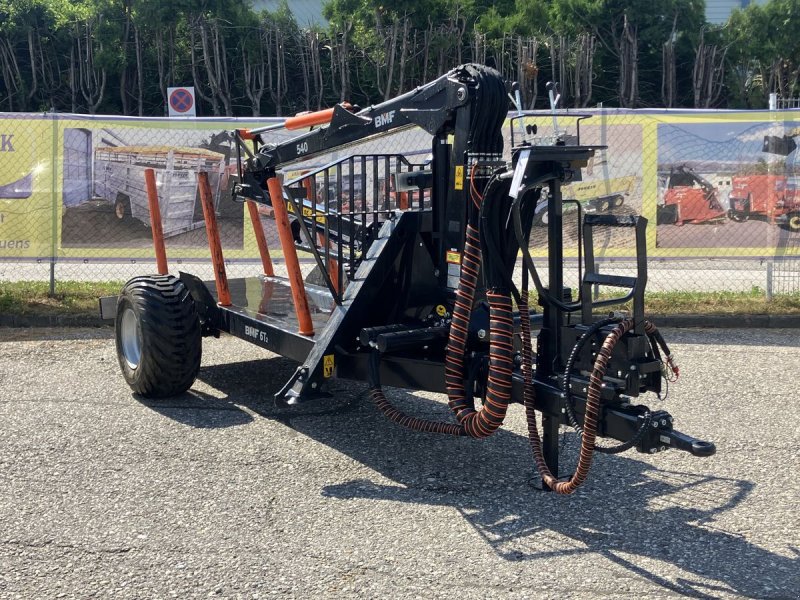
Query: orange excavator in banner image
{"type": "Point", "coordinates": [689, 198]}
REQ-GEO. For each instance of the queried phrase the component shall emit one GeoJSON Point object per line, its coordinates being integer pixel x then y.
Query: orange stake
{"type": "Point", "coordinates": [261, 239]}
{"type": "Point", "coordinates": [214, 244]}
{"type": "Point", "coordinates": [402, 200]}
{"type": "Point", "coordinates": [290, 257]}
{"type": "Point", "coordinates": [155, 221]}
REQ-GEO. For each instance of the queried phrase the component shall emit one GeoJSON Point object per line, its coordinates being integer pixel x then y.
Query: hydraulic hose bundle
{"type": "Point", "coordinates": [496, 231]}
{"type": "Point", "coordinates": [485, 141]}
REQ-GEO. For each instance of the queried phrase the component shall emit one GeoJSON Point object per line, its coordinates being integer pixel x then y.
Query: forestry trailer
{"type": "Point", "coordinates": [423, 296]}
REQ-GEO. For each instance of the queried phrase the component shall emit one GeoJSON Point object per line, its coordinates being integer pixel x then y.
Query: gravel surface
{"type": "Point", "coordinates": [218, 494]}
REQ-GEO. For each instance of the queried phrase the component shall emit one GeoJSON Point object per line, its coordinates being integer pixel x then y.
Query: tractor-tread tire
{"type": "Point", "coordinates": [171, 341]}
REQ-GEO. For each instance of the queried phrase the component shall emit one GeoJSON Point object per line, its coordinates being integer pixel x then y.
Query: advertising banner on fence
{"type": "Point", "coordinates": [711, 183]}
{"type": "Point", "coordinates": [26, 186]}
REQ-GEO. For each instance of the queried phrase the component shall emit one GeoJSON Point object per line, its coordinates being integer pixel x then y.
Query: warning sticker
{"type": "Point", "coordinates": [327, 365]}
{"type": "Point", "coordinates": [441, 310]}
{"type": "Point", "coordinates": [453, 257]}
{"type": "Point", "coordinates": [459, 182]}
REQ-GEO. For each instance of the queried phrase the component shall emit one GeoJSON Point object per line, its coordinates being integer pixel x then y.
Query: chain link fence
{"type": "Point", "coordinates": [719, 190]}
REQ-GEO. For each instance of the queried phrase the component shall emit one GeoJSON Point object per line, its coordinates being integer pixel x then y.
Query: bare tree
{"type": "Point", "coordinates": [215, 57]}
{"type": "Point", "coordinates": [628, 52]}
{"type": "Point", "coordinates": [708, 73]}
{"type": "Point", "coordinates": [528, 70]}
{"type": "Point", "coordinates": [91, 79]}
{"type": "Point", "coordinates": [254, 69]}
{"type": "Point", "coordinates": [164, 40]}
{"type": "Point", "coordinates": [198, 84]}
{"type": "Point", "coordinates": [668, 75]}
{"type": "Point", "coordinates": [10, 70]}
{"type": "Point", "coordinates": [276, 65]}
{"type": "Point", "coordinates": [584, 69]}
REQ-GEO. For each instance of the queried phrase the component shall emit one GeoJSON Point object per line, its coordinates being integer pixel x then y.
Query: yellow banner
{"type": "Point", "coordinates": [26, 186]}
{"type": "Point", "coordinates": [712, 184]}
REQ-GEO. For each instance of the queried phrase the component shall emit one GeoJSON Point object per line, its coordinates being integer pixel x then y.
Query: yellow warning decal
{"type": "Point", "coordinates": [441, 310]}
{"type": "Point", "coordinates": [327, 365]}
{"type": "Point", "coordinates": [453, 257]}
{"type": "Point", "coordinates": [459, 184]}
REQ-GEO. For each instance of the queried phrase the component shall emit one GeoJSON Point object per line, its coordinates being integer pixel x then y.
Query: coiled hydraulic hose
{"type": "Point", "coordinates": [485, 139]}
{"type": "Point", "coordinates": [397, 416]}
{"type": "Point", "coordinates": [656, 340]}
{"type": "Point", "coordinates": [591, 416]}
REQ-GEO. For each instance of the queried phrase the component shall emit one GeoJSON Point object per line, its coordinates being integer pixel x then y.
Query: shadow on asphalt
{"type": "Point", "coordinates": [628, 511]}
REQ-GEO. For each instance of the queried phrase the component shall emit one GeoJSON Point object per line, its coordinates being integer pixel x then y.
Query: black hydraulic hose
{"type": "Point", "coordinates": [486, 138]}
{"type": "Point", "coordinates": [592, 415]}
{"type": "Point", "coordinates": [516, 214]}
{"type": "Point", "coordinates": [395, 415]}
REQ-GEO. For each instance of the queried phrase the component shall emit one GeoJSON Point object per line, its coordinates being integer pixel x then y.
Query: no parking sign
{"type": "Point", "coordinates": [181, 102]}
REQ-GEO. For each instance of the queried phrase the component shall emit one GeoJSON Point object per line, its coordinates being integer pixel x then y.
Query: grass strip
{"type": "Point", "coordinates": [31, 298]}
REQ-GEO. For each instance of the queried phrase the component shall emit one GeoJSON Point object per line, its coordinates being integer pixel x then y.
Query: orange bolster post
{"type": "Point", "coordinates": [290, 257]}
{"type": "Point", "coordinates": [261, 239]}
{"type": "Point", "coordinates": [214, 244]}
{"type": "Point", "coordinates": [155, 221]}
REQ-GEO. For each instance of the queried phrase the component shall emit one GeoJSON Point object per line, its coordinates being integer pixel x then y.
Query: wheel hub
{"type": "Point", "coordinates": [131, 338]}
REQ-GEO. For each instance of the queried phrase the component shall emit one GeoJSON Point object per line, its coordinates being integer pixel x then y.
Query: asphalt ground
{"type": "Point", "coordinates": [218, 494]}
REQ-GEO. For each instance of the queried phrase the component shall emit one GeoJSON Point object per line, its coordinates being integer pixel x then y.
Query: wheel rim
{"type": "Point", "coordinates": [131, 338]}
{"type": "Point", "coordinates": [119, 209]}
{"type": "Point", "coordinates": [794, 223]}
{"type": "Point", "coordinates": [545, 219]}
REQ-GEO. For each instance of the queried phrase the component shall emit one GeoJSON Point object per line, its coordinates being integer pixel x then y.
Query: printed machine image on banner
{"type": "Point", "coordinates": [611, 183]}
{"type": "Point", "coordinates": [728, 185]}
{"type": "Point", "coordinates": [105, 203]}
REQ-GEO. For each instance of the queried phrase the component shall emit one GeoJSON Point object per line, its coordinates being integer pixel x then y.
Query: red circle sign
{"type": "Point", "coordinates": [181, 100]}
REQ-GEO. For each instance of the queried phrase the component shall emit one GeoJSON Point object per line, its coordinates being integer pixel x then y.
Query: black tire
{"type": "Point", "coordinates": [159, 344]}
{"type": "Point", "coordinates": [122, 207]}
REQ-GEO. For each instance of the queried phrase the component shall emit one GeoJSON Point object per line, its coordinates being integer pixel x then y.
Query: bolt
{"type": "Point", "coordinates": [664, 422]}
{"type": "Point", "coordinates": [653, 450]}
{"type": "Point", "coordinates": [619, 373]}
{"type": "Point", "coordinates": [655, 424]}
{"type": "Point", "coordinates": [313, 385]}
{"type": "Point", "coordinates": [481, 334]}
{"type": "Point", "coordinates": [633, 367]}
{"type": "Point", "coordinates": [663, 448]}
{"type": "Point", "coordinates": [461, 94]}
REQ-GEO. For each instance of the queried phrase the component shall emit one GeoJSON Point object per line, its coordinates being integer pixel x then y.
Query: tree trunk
{"type": "Point", "coordinates": [387, 92]}
{"type": "Point", "coordinates": [668, 74]}
{"type": "Point", "coordinates": [139, 71]}
{"type": "Point", "coordinates": [198, 87]}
